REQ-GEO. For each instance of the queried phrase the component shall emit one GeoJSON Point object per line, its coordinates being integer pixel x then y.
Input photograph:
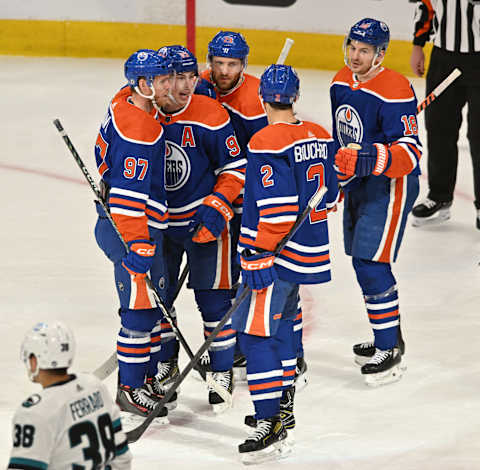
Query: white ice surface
{"type": "Point", "coordinates": [51, 268]}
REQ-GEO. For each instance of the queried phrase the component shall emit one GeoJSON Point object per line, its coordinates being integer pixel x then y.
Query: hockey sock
{"type": "Point", "coordinates": [285, 344]}
{"type": "Point", "coordinates": [155, 348]}
{"type": "Point", "coordinates": [381, 300]}
{"type": "Point", "coordinates": [298, 330]}
{"type": "Point", "coordinates": [264, 373]}
{"type": "Point", "coordinates": [133, 352]}
{"type": "Point", "coordinates": [213, 304]}
{"type": "Point", "coordinates": [168, 341]}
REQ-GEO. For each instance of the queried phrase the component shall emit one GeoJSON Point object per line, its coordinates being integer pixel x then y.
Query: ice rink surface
{"type": "Point", "coordinates": [53, 269]}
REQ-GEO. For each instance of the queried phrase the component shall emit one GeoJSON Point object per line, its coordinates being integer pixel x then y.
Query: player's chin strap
{"type": "Point", "coordinates": [375, 57]}
{"type": "Point", "coordinates": [148, 97]}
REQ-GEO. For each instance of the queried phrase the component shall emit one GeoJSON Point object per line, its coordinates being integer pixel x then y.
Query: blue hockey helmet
{"type": "Point", "coordinates": [279, 84]}
{"type": "Point", "coordinates": [146, 63]}
{"type": "Point", "coordinates": [182, 59]}
{"type": "Point", "coordinates": [228, 44]}
{"type": "Point", "coordinates": [370, 31]}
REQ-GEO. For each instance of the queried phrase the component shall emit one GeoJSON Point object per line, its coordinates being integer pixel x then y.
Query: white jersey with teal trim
{"type": "Point", "coordinates": [72, 424]}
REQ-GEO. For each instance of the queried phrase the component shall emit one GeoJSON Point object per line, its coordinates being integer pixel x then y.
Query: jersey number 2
{"type": "Point", "coordinates": [313, 172]}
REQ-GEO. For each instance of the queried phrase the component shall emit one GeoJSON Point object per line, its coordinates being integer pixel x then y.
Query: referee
{"type": "Point", "coordinates": [454, 28]}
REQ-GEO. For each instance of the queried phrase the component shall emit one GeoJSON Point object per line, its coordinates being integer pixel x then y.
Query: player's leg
{"type": "Point", "coordinates": [381, 216]}
{"type": "Point", "coordinates": [473, 95]}
{"type": "Point", "coordinates": [167, 357]}
{"type": "Point", "coordinates": [443, 118]}
{"type": "Point", "coordinates": [213, 304]}
{"type": "Point", "coordinates": [133, 340]}
{"type": "Point", "coordinates": [301, 378]}
{"type": "Point", "coordinates": [156, 376]}
{"type": "Point", "coordinates": [258, 321]}
{"type": "Point", "coordinates": [211, 277]}
{"type": "Point", "coordinates": [381, 301]}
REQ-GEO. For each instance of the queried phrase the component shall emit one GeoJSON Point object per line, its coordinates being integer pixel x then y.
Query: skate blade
{"type": "Point", "coordinates": [361, 360]}
{"type": "Point", "coordinates": [131, 421]}
{"type": "Point", "coordinates": [240, 374]}
{"type": "Point", "coordinates": [436, 219]}
{"type": "Point", "coordinates": [301, 382]}
{"type": "Point", "coordinates": [384, 378]}
{"type": "Point", "coordinates": [277, 451]}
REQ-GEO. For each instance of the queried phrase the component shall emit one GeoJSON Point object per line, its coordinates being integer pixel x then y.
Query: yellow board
{"type": "Point", "coordinates": [102, 39]}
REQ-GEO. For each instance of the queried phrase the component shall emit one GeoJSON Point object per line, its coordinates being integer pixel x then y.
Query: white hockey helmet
{"type": "Point", "coordinates": [52, 344]}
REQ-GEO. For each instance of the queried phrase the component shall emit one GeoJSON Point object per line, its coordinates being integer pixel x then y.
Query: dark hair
{"type": "Point", "coordinates": [280, 106]}
{"type": "Point", "coordinates": [60, 372]}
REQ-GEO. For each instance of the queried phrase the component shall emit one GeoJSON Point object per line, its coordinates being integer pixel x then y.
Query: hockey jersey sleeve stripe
{"type": "Point", "coordinates": [157, 205]}
{"type": "Point", "coordinates": [188, 207]}
{"type": "Point", "coordinates": [128, 193]}
{"type": "Point", "coordinates": [277, 200]}
{"type": "Point", "coordinates": [27, 464]}
{"type": "Point", "coordinates": [279, 219]}
{"type": "Point", "coordinates": [306, 259]}
{"type": "Point", "coordinates": [126, 212]}
{"type": "Point", "coordinates": [239, 164]}
{"type": "Point", "coordinates": [404, 160]}
{"type": "Point", "coordinates": [278, 210]}
{"type": "Point", "coordinates": [308, 249]}
{"type": "Point", "coordinates": [186, 215]}
{"type": "Point", "coordinates": [157, 216]}
{"type": "Point", "coordinates": [302, 269]}
{"type": "Point", "coordinates": [116, 201]}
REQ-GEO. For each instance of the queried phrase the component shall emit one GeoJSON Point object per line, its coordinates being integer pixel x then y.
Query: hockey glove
{"type": "Point", "coordinates": [370, 159]}
{"type": "Point", "coordinates": [140, 257]}
{"type": "Point", "coordinates": [258, 270]}
{"type": "Point", "coordinates": [213, 214]}
{"type": "Point", "coordinates": [204, 87]}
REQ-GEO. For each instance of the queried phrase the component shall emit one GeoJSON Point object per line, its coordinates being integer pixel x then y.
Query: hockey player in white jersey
{"type": "Point", "coordinates": [73, 423]}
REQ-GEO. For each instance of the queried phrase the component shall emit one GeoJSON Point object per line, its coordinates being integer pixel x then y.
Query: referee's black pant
{"type": "Point", "coordinates": [443, 118]}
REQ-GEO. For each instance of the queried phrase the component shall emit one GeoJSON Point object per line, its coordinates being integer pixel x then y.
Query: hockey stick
{"type": "Point", "coordinates": [111, 364]}
{"type": "Point", "coordinates": [135, 434]}
{"type": "Point", "coordinates": [439, 89]}
{"type": "Point", "coordinates": [107, 366]}
{"type": "Point", "coordinates": [286, 49]}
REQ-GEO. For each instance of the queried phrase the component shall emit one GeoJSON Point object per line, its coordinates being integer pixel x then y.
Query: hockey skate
{"type": "Point", "coordinates": [363, 352]}
{"type": "Point", "coordinates": [267, 442]}
{"type": "Point", "coordinates": [140, 402]}
{"type": "Point", "coordinates": [153, 386]}
{"type": "Point", "coordinates": [301, 376]}
{"type": "Point", "coordinates": [384, 367]}
{"type": "Point", "coordinates": [286, 413]}
{"type": "Point", "coordinates": [167, 373]}
{"type": "Point", "coordinates": [430, 212]}
{"type": "Point", "coordinates": [240, 368]}
{"type": "Point", "coordinates": [225, 380]}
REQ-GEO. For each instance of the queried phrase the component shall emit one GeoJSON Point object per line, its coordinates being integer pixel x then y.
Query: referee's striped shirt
{"type": "Point", "coordinates": [453, 25]}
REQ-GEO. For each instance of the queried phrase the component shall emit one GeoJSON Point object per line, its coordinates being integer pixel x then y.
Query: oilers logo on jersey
{"type": "Point", "coordinates": [177, 168]}
{"type": "Point", "coordinates": [349, 125]}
